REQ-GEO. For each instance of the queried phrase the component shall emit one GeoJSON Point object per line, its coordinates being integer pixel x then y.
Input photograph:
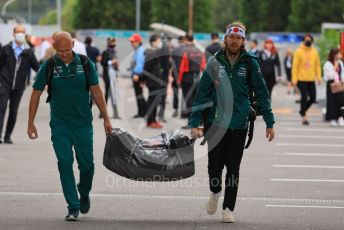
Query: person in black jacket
{"type": "Point", "coordinates": [269, 59]}
{"type": "Point", "coordinates": [92, 52]}
{"type": "Point", "coordinates": [152, 77]}
{"type": "Point", "coordinates": [213, 47]}
{"type": "Point", "coordinates": [109, 57]}
{"type": "Point", "coordinates": [16, 61]}
{"type": "Point", "coordinates": [191, 65]}
{"type": "Point", "coordinates": [176, 59]}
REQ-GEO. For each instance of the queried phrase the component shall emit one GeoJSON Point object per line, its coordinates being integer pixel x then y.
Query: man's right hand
{"type": "Point", "coordinates": [32, 131]}
{"type": "Point", "coordinates": [196, 133]}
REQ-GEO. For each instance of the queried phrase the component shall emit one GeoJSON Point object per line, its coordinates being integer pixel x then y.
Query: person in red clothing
{"type": "Point", "coordinates": [192, 64]}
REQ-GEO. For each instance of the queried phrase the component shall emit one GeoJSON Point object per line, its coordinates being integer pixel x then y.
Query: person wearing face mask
{"type": "Point", "coordinates": [109, 60]}
{"type": "Point", "coordinates": [306, 72]}
{"type": "Point", "coordinates": [152, 77]}
{"type": "Point", "coordinates": [16, 62]}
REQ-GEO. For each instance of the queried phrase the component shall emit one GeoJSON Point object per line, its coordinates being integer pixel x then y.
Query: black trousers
{"type": "Point", "coordinates": [13, 97]}
{"type": "Point", "coordinates": [106, 79]}
{"type": "Point", "coordinates": [334, 101]}
{"type": "Point", "coordinates": [175, 94]}
{"type": "Point", "coordinates": [189, 88]}
{"type": "Point", "coordinates": [228, 152]}
{"type": "Point", "coordinates": [152, 103]}
{"type": "Point", "coordinates": [188, 96]}
{"type": "Point", "coordinates": [140, 100]}
{"type": "Point", "coordinates": [163, 101]}
{"type": "Point", "coordinates": [308, 95]}
{"type": "Point", "coordinates": [270, 81]}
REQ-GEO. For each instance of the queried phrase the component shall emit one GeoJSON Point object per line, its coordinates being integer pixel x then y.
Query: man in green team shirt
{"type": "Point", "coordinates": [70, 119]}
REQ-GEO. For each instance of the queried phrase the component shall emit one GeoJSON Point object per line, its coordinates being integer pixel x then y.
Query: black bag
{"type": "Point", "coordinates": [167, 157]}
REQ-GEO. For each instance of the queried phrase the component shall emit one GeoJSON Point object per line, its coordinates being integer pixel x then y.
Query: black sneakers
{"type": "Point", "coordinates": [8, 140]}
{"type": "Point", "coordinates": [305, 122]}
{"type": "Point", "coordinates": [85, 204]}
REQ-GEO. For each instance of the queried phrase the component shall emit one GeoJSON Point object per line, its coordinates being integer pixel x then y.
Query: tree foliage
{"type": "Point", "coordinates": [214, 15]}
{"type": "Point", "coordinates": [267, 15]}
{"type": "Point", "coordinates": [307, 15]}
{"type": "Point", "coordinates": [111, 14]}
{"type": "Point", "coordinates": [225, 12]}
{"type": "Point", "coordinates": [176, 13]}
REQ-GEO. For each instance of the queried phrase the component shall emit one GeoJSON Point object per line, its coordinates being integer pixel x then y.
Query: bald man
{"type": "Point", "coordinates": [70, 119]}
{"type": "Point", "coordinates": [16, 62]}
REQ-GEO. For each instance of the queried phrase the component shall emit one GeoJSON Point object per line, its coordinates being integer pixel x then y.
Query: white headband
{"type": "Point", "coordinates": [236, 30]}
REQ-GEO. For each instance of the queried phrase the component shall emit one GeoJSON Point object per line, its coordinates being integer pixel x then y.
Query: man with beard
{"type": "Point", "coordinates": [225, 86]}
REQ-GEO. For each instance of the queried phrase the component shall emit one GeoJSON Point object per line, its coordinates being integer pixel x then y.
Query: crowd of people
{"type": "Point", "coordinates": [67, 70]}
{"type": "Point", "coordinates": [303, 72]}
{"type": "Point", "coordinates": [155, 66]}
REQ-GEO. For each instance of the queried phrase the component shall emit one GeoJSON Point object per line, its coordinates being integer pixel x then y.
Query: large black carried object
{"type": "Point", "coordinates": [166, 157]}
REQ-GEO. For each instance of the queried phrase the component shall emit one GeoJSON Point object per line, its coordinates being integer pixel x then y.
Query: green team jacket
{"type": "Point", "coordinates": [222, 96]}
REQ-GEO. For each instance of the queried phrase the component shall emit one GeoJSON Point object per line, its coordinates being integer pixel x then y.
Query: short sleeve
{"type": "Point", "coordinates": [93, 78]}
{"type": "Point", "coordinates": [41, 78]}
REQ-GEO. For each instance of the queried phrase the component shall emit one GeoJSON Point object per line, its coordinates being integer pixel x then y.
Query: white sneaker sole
{"type": "Point", "coordinates": [228, 220]}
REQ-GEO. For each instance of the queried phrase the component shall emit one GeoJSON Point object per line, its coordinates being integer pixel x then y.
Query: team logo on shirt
{"type": "Point", "coordinates": [242, 71]}
{"type": "Point", "coordinates": [58, 71]}
{"type": "Point", "coordinates": [259, 71]}
{"type": "Point", "coordinates": [222, 71]}
{"type": "Point", "coordinates": [79, 69]}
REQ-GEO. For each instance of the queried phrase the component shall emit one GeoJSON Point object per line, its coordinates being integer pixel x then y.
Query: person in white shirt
{"type": "Point", "coordinates": [79, 47]}
{"type": "Point", "coordinates": [43, 48]}
{"type": "Point", "coordinates": [334, 72]}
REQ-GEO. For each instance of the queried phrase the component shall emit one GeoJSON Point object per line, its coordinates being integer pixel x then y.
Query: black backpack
{"type": "Point", "coordinates": [50, 71]}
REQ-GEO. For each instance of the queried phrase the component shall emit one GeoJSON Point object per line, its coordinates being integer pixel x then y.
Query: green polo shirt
{"type": "Point", "coordinates": [69, 96]}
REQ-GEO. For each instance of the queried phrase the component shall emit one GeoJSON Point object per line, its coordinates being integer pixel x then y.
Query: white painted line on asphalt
{"type": "Point", "coordinates": [138, 196]}
{"type": "Point", "coordinates": [312, 145]}
{"type": "Point", "coordinates": [309, 166]}
{"type": "Point", "coordinates": [306, 180]}
{"type": "Point", "coordinates": [310, 129]}
{"type": "Point", "coordinates": [312, 137]}
{"type": "Point", "coordinates": [314, 154]}
{"type": "Point", "coordinates": [303, 206]}
{"type": "Point", "coordinates": [314, 124]}
{"type": "Point", "coordinates": [296, 119]}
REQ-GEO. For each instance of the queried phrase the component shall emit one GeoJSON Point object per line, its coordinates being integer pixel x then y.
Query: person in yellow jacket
{"type": "Point", "coordinates": [305, 73]}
